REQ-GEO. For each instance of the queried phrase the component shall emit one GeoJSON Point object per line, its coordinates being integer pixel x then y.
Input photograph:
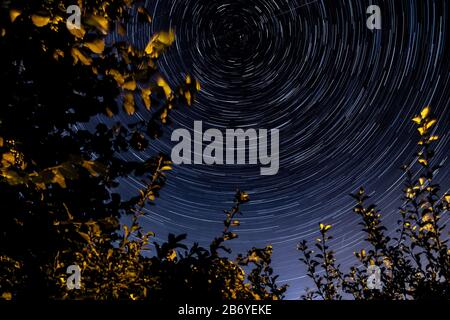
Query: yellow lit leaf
{"type": "Point", "coordinates": [77, 32]}
{"type": "Point", "coordinates": [85, 236]}
{"type": "Point", "coordinates": [13, 14]}
{"type": "Point", "coordinates": [421, 130]}
{"type": "Point", "coordinates": [166, 168]}
{"type": "Point", "coordinates": [79, 56]}
{"type": "Point", "coordinates": [434, 138]}
{"type": "Point", "coordinates": [96, 46]}
{"type": "Point", "coordinates": [117, 76]}
{"type": "Point", "coordinates": [128, 103]}
{"type": "Point", "coordinates": [423, 162]}
{"type": "Point", "coordinates": [6, 296]}
{"type": "Point", "coordinates": [430, 123]}
{"type": "Point", "coordinates": [99, 22]}
{"type": "Point", "coordinates": [159, 42]}
{"type": "Point", "coordinates": [40, 21]}
{"type": "Point", "coordinates": [188, 97]}
{"type": "Point", "coordinates": [447, 198]}
{"type": "Point", "coordinates": [129, 85]}
{"type": "Point", "coordinates": [171, 255]}
{"type": "Point", "coordinates": [165, 86]}
{"type": "Point", "coordinates": [197, 85]}
{"type": "Point", "coordinates": [145, 94]}
{"type": "Point", "coordinates": [425, 112]}
{"type": "Point", "coordinates": [58, 178]}
{"type": "Point", "coordinates": [422, 181]}
{"type": "Point", "coordinates": [417, 119]}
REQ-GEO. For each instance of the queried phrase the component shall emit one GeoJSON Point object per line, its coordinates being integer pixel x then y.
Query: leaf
{"type": "Point", "coordinates": [94, 167]}
{"type": "Point", "coordinates": [159, 42]}
{"type": "Point", "coordinates": [430, 123]}
{"type": "Point", "coordinates": [171, 255]}
{"type": "Point", "coordinates": [96, 46]}
{"type": "Point", "coordinates": [77, 32]}
{"type": "Point", "coordinates": [434, 138]}
{"type": "Point", "coordinates": [145, 94]}
{"type": "Point", "coordinates": [129, 85]}
{"type": "Point", "coordinates": [58, 178]}
{"type": "Point", "coordinates": [99, 22]}
{"type": "Point", "coordinates": [79, 56]}
{"type": "Point", "coordinates": [14, 13]}
{"type": "Point", "coordinates": [425, 112]}
{"type": "Point", "coordinates": [40, 21]}
{"type": "Point", "coordinates": [85, 236]}
{"type": "Point", "coordinates": [117, 76]}
{"type": "Point", "coordinates": [188, 97]}
{"type": "Point", "coordinates": [166, 168]}
{"type": "Point", "coordinates": [6, 296]}
{"type": "Point", "coordinates": [128, 103]}
{"type": "Point", "coordinates": [417, 119]}
{"type": "Point", "coordinates": [165, 86]}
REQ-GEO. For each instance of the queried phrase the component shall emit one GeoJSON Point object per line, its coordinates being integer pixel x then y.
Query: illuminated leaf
{"type": "Point", "coordinates": [79, 56]}
{"type": "Point", "coordinates": [13, 14]}
{"type": "Point", "coordinates": [128, 103]}
{"type": "Point", "coordinates": [188, 97]}
{"type": "Point", "coordinates": [6, 296]}
{"type": "Point", "coordinates": [117, 76]}
{"type": "Point", "coordinates": [430, 123]}
{"type": "Point", "coordinates": [99, 22]}
{"type": "Point", "coordinates": [129, 85]}
{"type": "Point", "coordinates": [425, 112]}
{"type": "Point", "coordinates": [417, 119]}
{"type": "Point", "coordinates": [159, 42]}
{"type": "Point", "coordinates": [96, 46]}
{"type": "Point", "coordinates": [166, 168]}
{"type": "Point", "coordinates": [145, 94]}
{"type": "Point", "coordinates": [171, 255]}
{"type": "Point", "coordinates": [85, 236]}
{"type": "Point", "coordinates": [40, 21]}
{"type": "Point", "coordinates": [165, 86]}
{"type": "Point", "coordinates": [77, 32]}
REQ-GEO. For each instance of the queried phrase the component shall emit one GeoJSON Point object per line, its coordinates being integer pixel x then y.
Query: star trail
{"type": "Point", "coordinates": [341, 96]}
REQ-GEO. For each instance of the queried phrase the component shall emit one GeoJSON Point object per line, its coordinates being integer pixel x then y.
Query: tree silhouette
{"type": "Point", "coordinates": [58, 182]}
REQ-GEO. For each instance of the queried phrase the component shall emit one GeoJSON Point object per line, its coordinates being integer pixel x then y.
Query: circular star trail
{"type": "Point", "coordinates": [341, 95]}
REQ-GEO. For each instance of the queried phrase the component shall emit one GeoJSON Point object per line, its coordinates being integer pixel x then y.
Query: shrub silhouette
{"type": "Point", "coordinates": [415, 263]}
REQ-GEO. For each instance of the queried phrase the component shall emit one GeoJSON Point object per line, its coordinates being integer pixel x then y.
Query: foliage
{"type": "Point", "coordinates": [415, 263]}
{"type": "Point", "coordinates": [59, 200]}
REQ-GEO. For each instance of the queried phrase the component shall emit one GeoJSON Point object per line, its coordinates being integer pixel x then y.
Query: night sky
{"type": "Point", "coordinates": [341, 95]}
